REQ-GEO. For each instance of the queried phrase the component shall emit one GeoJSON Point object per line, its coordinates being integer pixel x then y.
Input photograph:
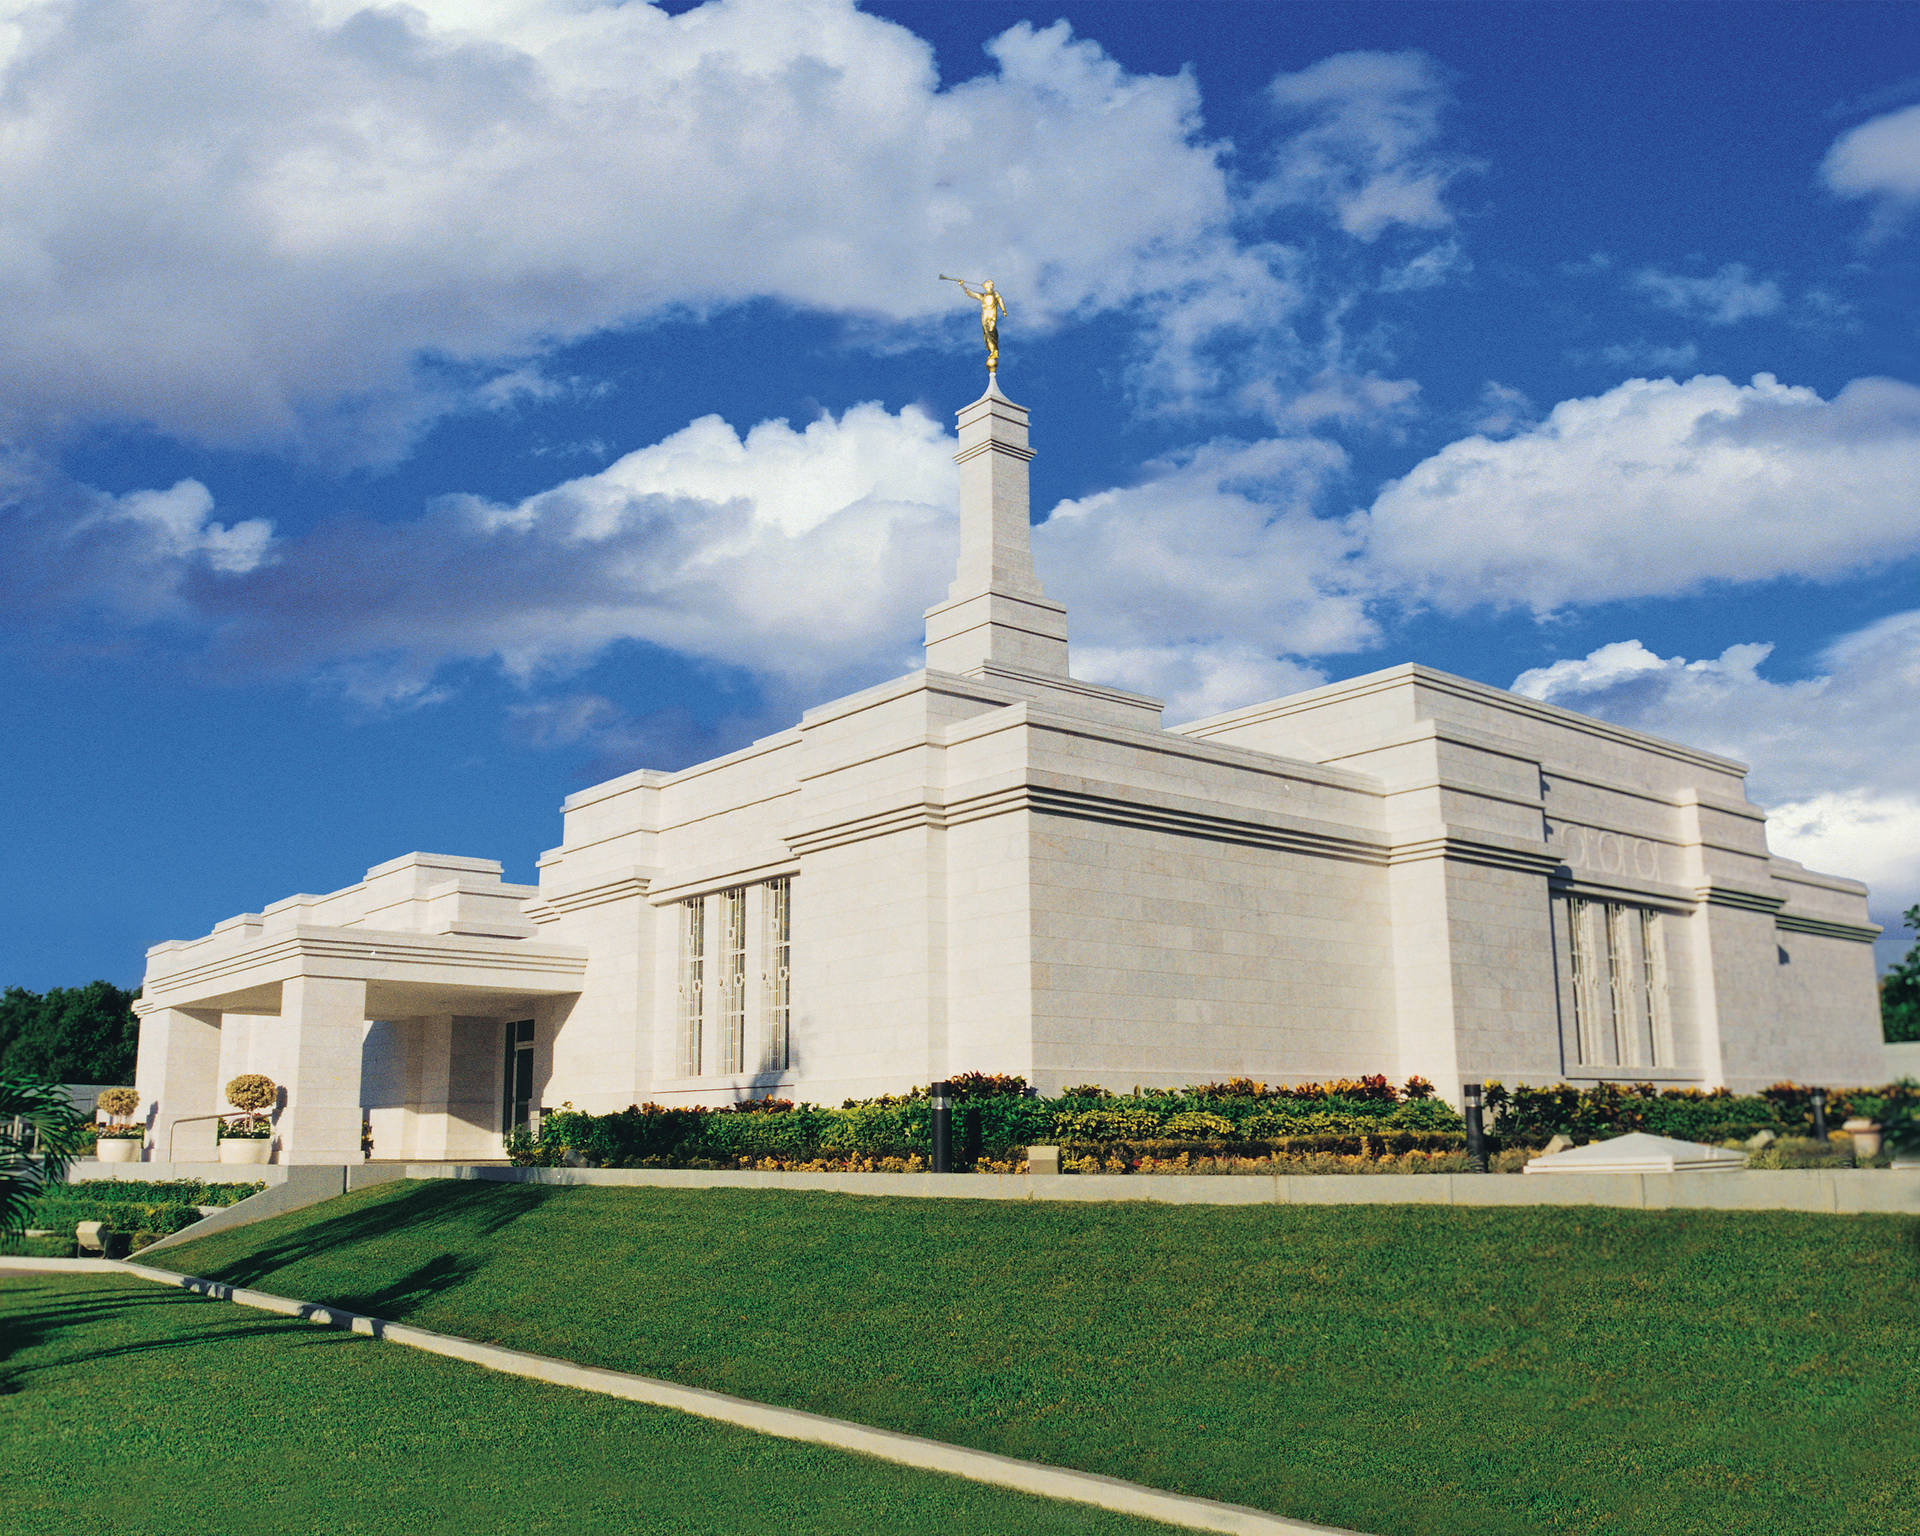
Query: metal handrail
{"type": "Point", "coordinates": [225, 1114]}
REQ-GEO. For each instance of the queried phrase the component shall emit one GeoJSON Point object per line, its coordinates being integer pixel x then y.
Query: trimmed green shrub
{"type": "Point", "coordinates": [1357, 1117]}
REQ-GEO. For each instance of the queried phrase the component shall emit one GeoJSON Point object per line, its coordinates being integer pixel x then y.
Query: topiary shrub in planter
{"type": "Point", "coordinates": [119, 1140]}
{"type": "Point", "coordinates": [248, 1137]}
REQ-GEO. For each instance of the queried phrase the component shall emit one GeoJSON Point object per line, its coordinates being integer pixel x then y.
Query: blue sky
{"type": "Point", "coordinates": [411, 415]}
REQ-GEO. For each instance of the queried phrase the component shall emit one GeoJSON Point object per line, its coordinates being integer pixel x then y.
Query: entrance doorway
{"type": "Point", "coordinates": [516, 1079]}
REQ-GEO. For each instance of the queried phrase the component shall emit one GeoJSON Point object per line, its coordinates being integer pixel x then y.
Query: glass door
{"type": "Point", "coordinates": [516, 1092]}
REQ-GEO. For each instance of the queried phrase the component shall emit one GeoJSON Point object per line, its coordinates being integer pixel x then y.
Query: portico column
{"type": "Point", "coordinates": [174, 1072]}
{"type": "Point", "coordinates": [323, 1019]}
{"type": "Point", "coordinates": [434, 1092]}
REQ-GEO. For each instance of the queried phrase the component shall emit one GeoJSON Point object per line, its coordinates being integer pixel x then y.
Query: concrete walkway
{"type": "Point", "coordinates": [1030, 1477]}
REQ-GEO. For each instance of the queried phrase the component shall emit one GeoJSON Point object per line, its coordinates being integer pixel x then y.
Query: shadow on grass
{"type": "Point", "coordinates": [63, 1311]}
{"type": "Point", "coordinates": [474, 1210]}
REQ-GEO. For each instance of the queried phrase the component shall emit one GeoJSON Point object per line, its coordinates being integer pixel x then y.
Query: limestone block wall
{"type": "Point", "coordinates": [1163, 958]}
{"type": "Point", "coordinates": [1504, 995]}
{"type": "Point", "coordinates": [1829, 992]}
{"type": "Point", "coordinates": [1197, 911]}
{"type": "Point", "coordinates": [594, 1050]}
{"type": "Point", "coordinates": [988, 953]}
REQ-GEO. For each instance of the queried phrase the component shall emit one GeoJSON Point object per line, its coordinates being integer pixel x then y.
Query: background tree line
{"type": "Point", "coordinates": [69, 1034]}
{"type": "Point", "coordinates": [1900, 991]}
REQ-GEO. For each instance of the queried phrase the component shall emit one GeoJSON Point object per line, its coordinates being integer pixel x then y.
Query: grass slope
{"type": "Point", "coordinates": [127, 1407]}
{"type": "Point", "coordinates": [1401, 1370]}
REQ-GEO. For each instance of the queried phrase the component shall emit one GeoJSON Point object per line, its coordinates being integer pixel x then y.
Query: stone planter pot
{"type": "Point", "coordinates": [246, 1149]}
{"type": "Point", "coordinates": [117, 1149]}
{"type": "Point", "coordinates": [1866, 1136]}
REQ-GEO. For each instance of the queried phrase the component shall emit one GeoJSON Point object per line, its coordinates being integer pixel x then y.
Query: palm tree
{"type": "Point", "coordinates": [39, 1129]}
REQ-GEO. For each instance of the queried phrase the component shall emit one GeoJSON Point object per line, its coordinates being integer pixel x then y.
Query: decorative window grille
{"type": "Point", "coordinates": [1621, 979]}
{"type": "Point", "coordinates": [693, 982]}
{"type": "Point", "coordinates": [776, 952]}
{"type": "Point", "coordinates": [1622, 1007]}
{"type": "Point", "coordinates": [1586, 961]}
{"type": "Point", "coordinates": [733, 979]}
{"type": "Point", "coordinates": [1653, 959]}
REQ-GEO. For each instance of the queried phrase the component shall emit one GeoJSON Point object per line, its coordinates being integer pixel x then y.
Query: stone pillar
{"type": "Point", "coordinates": [176, 1072]}
{"type": "Point", "coordinates": [432, 1091]}
{"type": "Point", "coordinates": [323, 1020]}
{"type": "Point", "coordinates": [995, 617]}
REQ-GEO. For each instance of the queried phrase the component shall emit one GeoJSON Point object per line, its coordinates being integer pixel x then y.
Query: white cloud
{"type": "Point", "coordinates": [249, 224]}
{"type": "Point", "coordinates": [137, 557]}
{"type": "Point", "coordinates": [803, 556]}
{"type": "Point", "coordinates": [1642, 357]}
{"type": "Point", "coordinates": [1436, 265]}
{"type": "Point", "coordinates": [1653, 489]}
{"type": "Point", "coordinates": [1367, 156]}
{"type": "Point", "coordinates": [1832, 754]}
{"type": "Point", "coordinates": [1727, 297]}
{"type": "Point", "coordinates": [1880, 161]}
{"type": "Point", "coordinates": [1503, 410]}
{"type": "Point", "coordinates": [1201, 582]}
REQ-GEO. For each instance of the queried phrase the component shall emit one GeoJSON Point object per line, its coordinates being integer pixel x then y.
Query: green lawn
{"type": "Point", "coordinates": [126, 1407]}
{"type": "Point", "coordinates": [1392, 1369]}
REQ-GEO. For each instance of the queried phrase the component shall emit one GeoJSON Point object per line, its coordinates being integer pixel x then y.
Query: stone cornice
{"type": "Point", "coordinates": [1465, 688]}
{"type": "Point", "coordinates": [1826, 927]}
{"type": "Point", "coordinates": [1459, 848]}
{"type": "Point", "coordinates": [628, 884]}
{"type": "Point", "coordinates": [1739, 898]}
{"type": "Point", "coordinates": [1041, 798]}
{"type": "Point", "coordinates": [1080, 804]}
{"type": "Point", "coordinates": [665, 893]}
{"type": "Point", "coordinates": [356, 952]}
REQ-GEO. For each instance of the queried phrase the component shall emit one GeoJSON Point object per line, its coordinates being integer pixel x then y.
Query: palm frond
{"type": "Point", "coordinates": [39, 1131]}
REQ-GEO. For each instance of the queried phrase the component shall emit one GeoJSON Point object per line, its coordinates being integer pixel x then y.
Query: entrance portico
{"type": "Point", "coordinates": [307, 993]}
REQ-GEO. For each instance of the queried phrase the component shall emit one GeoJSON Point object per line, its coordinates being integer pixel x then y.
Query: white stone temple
{"type": "Point", "coordinates": [992, 865]}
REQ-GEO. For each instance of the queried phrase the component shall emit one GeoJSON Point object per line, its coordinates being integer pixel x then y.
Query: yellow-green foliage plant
{"type": "Point", "coordinates": [118, 1104]}
{"type": "Point", "coordinates": [255, 1094]}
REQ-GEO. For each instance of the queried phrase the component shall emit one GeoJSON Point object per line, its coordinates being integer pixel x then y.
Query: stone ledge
{"type": "Point", "coordinates": [1828, 1191]}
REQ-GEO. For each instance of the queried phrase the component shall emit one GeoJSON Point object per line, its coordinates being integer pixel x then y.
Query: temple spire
{"type": "Point", "coordinates": [996, 618]}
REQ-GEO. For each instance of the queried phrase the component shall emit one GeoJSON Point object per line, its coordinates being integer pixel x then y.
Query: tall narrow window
{"type": "Point", "coordinates": [516, 1096]}
{"type": "Point", "coordinates": [1622, 1005]}
{"type": "Point", "coordinates": [1620, 986]}
{"type": "Point", "coordinates": [1588, 961]}
{"type": "Point", "coordinates": [776, 954]}
{"type": "Point", "coordinates": [693, 982]}
{"type": "Point", "coordinates": [733, 979]}
{"type": "Point", "coordinates": [1653, 959]}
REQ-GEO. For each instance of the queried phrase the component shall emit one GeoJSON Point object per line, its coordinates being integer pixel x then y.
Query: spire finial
{"type": "Point", "coordinates": [992, 307]}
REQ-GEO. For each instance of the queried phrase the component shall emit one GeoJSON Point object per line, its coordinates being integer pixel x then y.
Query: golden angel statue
{"type": "Point", "coordinates": [992, 307]}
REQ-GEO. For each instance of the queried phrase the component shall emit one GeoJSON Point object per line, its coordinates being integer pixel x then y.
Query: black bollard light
{"type": "Point", "coordinates": [942, 1093]}
{"type": "Point", "coordinates": [1476, 1126]}
{"type": "Point", "coordinates": [1817, 1097]}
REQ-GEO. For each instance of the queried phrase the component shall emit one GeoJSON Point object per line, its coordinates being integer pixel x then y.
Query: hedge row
{"type": "Point", "coordinates": [146, 1211]}
{"type": "Point", "coordinates": [996, 1119]}
{"type": "Point", "coordinates": [1531, 1116]}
